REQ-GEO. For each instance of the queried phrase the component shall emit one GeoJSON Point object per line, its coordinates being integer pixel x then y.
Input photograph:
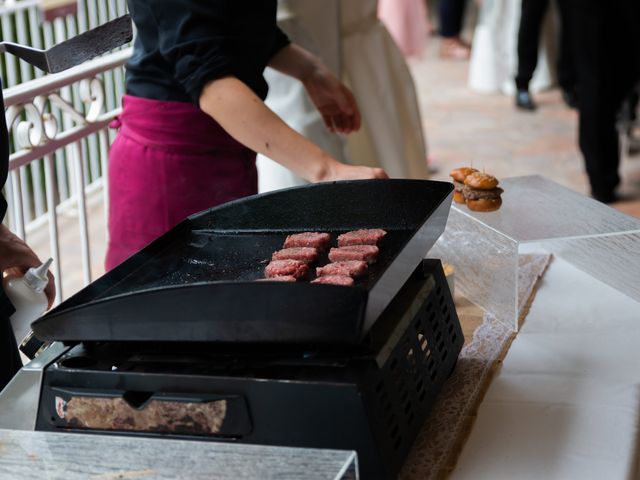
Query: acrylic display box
{"type": "Point", "coordinates": [537, 215]}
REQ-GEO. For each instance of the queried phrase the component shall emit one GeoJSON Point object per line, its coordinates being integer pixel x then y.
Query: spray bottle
{"type": "Point", "coordinates": [27, 295]}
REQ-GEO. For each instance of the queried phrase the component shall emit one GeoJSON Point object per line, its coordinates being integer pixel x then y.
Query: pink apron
{"type": "Point", "coordinates": [168, 161]}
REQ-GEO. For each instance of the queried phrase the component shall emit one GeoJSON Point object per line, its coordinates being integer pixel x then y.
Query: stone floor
{"type": "Point", "coordinates": [463, 128]}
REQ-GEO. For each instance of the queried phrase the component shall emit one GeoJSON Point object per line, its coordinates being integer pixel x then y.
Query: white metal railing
{"type": "Point", "coordinates": [38, 135]}
{"type": "Point", "coordinates": [58, 125]}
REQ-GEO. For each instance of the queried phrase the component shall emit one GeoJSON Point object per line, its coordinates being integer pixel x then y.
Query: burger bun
{"type": "Point", "coordinates": [481, 181]}
{"type": "Point", "coordinates": [459, 174]}
{"type": "Point", "coordinates": [484, 205]}
{"type": "Point", "coordinates": [458, 197]}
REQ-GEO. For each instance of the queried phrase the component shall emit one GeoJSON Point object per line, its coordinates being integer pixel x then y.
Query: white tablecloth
{"type": "Point", "coordinates": [566, 403]}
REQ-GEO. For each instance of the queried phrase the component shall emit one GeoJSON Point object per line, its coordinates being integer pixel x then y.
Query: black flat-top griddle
{"type": "Point", "coordinates": [197, 283]}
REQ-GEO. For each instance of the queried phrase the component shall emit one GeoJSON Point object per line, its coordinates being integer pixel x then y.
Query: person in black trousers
{"type": "Point", "coordinates": [451, 16]}
{"type": "Point", "coordinates": [14, 254]}
{"type": "Point", "coordinates": [607, 58]}
{"type": "Point", "coordinates": [531, 19]}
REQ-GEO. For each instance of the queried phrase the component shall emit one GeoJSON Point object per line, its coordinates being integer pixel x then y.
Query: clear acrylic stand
{"type": "Point", "coordinates": [484, 246]}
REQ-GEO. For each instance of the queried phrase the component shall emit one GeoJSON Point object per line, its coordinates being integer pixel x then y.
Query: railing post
{"type": "Point", "coordinates": [51, 189]}
{"type": "Point", "coordinates": [104, 161]}
{"type": "Point", "coordinates": [82, 212]}
{"type": "Point", "coordinates": [17, 203]}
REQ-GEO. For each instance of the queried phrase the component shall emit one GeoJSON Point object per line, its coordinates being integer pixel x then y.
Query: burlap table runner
{"type": "Point", "coordinates": [487, 340]}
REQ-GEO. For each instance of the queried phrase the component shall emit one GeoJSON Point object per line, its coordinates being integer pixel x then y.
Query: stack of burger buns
{"type": "Point", "coordinates": [459, 175]}
{"type": "Point", "coordinates": [478, 190]}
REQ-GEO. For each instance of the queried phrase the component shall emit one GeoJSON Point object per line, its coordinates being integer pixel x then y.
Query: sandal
{"type": "Point", "coordinates": [454, 49]}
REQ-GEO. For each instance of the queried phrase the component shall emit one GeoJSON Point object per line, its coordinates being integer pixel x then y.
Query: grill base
{"type": "Point", "coordinates": [372, 398]}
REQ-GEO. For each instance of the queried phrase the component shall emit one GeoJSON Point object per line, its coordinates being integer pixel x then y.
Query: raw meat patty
{"type": "Point", "coordinates": [361, 237]}
{"type": "Point", "coordinates": [335, 280]}
{"type": "Point", "coordinates": [366, 253]}
{"type": "Point", "coordinates": [308, 239]}
{"type": "Point", "coordinates": [280, 278]}
{"type": "Point", "coordinates": [302, 254]}
{"type": "Point", "coordinates": [351, 268]}
{"type": "Point", "coordinates": [279, 268]}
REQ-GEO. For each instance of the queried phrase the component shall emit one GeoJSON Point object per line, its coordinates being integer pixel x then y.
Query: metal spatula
{"type": "Point", "coordinates": [76, 50]}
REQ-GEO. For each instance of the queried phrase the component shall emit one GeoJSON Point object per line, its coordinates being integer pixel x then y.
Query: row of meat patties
{"type": "Point", "coordinates": [355, 252]}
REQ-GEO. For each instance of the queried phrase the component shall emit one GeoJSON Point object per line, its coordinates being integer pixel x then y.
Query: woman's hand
{"type": "Point", "coordinates": [342, 171]}
{"type": "Point", "coordinates": [16, 258]}
{"type": "Point", "coordinates": [333, 99]}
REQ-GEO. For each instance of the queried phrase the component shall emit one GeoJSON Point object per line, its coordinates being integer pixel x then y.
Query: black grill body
{"type": "Point", "coordinates": [372, 397]}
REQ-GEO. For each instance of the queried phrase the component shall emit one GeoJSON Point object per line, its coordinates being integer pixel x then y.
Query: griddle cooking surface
{"type": "Point", "coordinates": [234, 258]}
{"type": "Point", "coordinates": [197, 282]}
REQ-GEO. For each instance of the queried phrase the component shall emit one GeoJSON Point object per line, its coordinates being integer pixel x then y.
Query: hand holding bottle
{"type": "Point", "coordinates": [16, 257]}
{"type": "Point", "coordinates": [26, 293]}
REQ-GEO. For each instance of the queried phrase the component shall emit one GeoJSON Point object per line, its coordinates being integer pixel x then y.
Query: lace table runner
{"type": "Point", "coordinates": [438, 444]}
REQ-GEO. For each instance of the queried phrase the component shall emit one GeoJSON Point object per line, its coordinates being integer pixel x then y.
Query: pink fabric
{"type": "Point", "coordinates": [407, 22]}
{"type": "Point", "coordinates": [168, 161]}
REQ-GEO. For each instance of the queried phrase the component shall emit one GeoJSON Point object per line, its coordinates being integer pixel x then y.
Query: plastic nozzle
{"type": "Point", "coordinates": [37, 277]}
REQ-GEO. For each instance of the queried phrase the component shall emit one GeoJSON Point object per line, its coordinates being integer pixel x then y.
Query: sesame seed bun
{"type": "Point", "coordinates": [481, 181]}
{"type": "Point", "coordinates": [461, 173]}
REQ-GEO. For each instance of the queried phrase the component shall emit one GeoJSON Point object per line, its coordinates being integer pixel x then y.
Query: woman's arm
{"type": "Point", "coordinates": [334, 101]}
{"type": "Point", "coordinates": [247, 119]}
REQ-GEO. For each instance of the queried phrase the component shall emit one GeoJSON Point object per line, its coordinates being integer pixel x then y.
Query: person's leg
{"type": "Point", "coordinates": [451, 16]}
{"type": "Point", "coordinates": [605, 76]}
{"type": "Point", "coordinates": [597, 136]}
{"type": "Point", "coordinates": [567, 77]}
{"type": "Point", "coordinates": [598, 139]}
{"type": "Point", "coordinates": [566, 67]}
{"type": "Point", "coordinates": [531, 17]}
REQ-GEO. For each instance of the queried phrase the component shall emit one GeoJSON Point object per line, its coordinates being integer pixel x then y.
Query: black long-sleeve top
{"type": "Point", "coordinates": [4, 156]}
{"type": "Point", "coordinates": [6, 308]}
{"type": "Point", "coordinates": [9, 359]}
{"type": "Point", "coordinates": [183, 44]}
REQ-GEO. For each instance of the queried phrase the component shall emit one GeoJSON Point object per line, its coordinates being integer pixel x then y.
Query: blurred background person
{"type": "Point", "coordinates": [494, 56]}
{"type": "Point", "coordinates": [407, 22]}
{"type": "Point", "coordinates": [607, 58]}
{"type": "Point", "coordinates": [451, 14]}
{"type": "Point", "coordinates": [531, 20]}
{"type": "Point", "coordinates": [348, 36]}
{"type": "Point", "coordinates": [193, 116]}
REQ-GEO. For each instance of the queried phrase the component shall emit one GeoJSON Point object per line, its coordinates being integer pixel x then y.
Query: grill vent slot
{"type": "Point", "coordinates": [416, 369]}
